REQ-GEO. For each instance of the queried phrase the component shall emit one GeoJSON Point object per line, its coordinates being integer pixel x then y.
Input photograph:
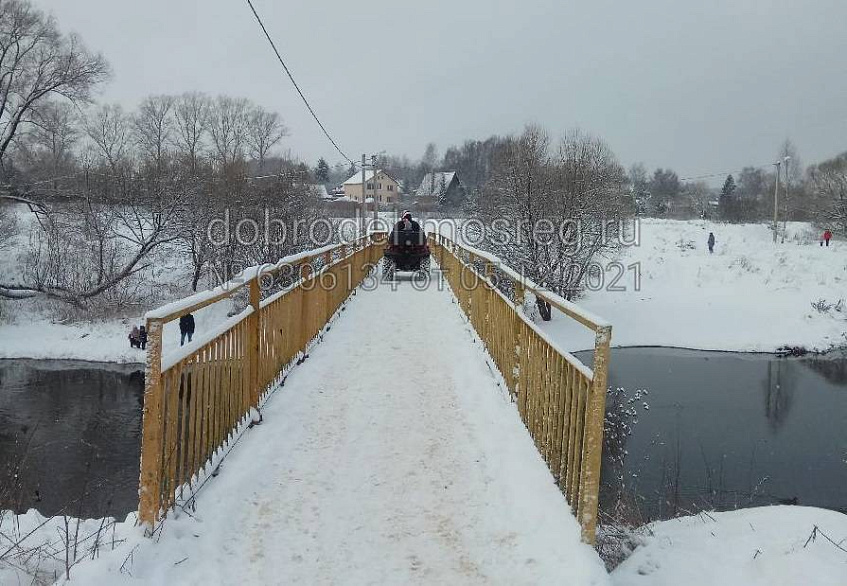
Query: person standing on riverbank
{"type": "Point", "coordinates": [134, 338]}
{"type": "Point", "coordinates": [711, 242]}
{"type": "Point", "coordinates": [186, 328]}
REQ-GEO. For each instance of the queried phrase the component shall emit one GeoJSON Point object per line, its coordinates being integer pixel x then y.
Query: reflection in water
{"type": "Point", "coordinates": [728, 430]}
{"type": "Point", "coordinates": [779, 389]}
{"type": "Point", "coordinates": [71, 437]}
{"type": "Point", "coordinates": [835, 371]}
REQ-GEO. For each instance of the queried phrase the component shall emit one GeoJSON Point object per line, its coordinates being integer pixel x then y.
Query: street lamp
{"type": "Point", "coordinates": [776, 194]}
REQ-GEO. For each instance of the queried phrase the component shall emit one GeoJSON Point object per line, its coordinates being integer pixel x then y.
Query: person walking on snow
{"type": "Point", "coordinates": [827, 236]}
{"type": "Point", "coordinates": [186, 328]}
{"type": "Point", "coordinates": [142, 337]}
{"type": "Point", "coordinates": [711, 242]}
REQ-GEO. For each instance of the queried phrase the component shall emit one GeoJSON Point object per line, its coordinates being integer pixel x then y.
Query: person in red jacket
{"type": "Point", "coordinates": [827, 236]}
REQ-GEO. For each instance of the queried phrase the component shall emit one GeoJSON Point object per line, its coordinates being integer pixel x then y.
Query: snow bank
{"type": "Point", "coordinates": [750, 295]}
{"type": "Point", "coordinates": [100, 341]}
{"type": "Point", "coordinates": [33, 547]}
{"type": "Point", "coordinates": [765, 546]}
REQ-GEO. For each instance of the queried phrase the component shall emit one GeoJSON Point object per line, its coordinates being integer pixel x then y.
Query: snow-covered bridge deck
{"type": "Point", "coordinates": [389, 457]}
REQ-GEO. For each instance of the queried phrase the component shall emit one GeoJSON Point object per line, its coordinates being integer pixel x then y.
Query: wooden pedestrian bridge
{"type": "Point", "coordinates": [396, 415]}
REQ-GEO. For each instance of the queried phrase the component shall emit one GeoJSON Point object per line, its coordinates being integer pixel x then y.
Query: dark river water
{"type": "Point", "coordinates": [727, 430]}
{"type": "Point", "coordinates": [70, 436]}
{"type": "Point", "coordinates": [720, 430]}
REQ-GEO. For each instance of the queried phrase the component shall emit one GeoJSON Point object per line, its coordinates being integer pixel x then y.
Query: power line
{"type": "Point", "coordinates": [284, 66]}
{"type": "Point", "coordinates": [725, 173]}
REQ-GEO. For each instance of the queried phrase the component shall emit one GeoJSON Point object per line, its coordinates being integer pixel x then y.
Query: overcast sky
{"type": "Point", "coordinates": [701, 87]}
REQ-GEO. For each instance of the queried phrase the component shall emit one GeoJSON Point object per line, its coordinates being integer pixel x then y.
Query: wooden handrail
{"type": "Point", "coordinates": [199, 398]}
{"type": "Point", "coordinates": [561, 401]}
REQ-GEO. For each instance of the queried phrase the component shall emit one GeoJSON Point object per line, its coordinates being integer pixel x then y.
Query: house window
{"type": "Point", "coordinates": [370, 185]}
{"type": "Point", "coordinates": [390, 187]}
{"type": "Point", "coordinates": [380, 185]}
{"type": "Point", "coordinates": [380, 199]}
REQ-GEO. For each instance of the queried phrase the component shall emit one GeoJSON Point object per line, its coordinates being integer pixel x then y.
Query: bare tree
{"type": "Point", "coordinates": [264, 130]}
{"type": "Point", "coordinates": [154, 127]}
{"type": "Point", "coordinates": [700, 196]}
{"type": "Point", "coordinates": [430, 158]}
{"type": "Point", "coordinates": [8, 228]}
{"type": "Point", "coordinates": [548, 215]}
{"type": "Point", "coordinates": [109, 128]}
{"type": "Point", "coordinates": [46, 149]}
{"type": "Point", "coordinates": [86, 248]}
{"type": "Point", "coordinates": [227, 124]}
{"type": "Point", "coordinates": [829, 184]}
{"type": "Point", "coordinates": [190, 113]}
{"type": "Point", "coordinates": [38, 62]}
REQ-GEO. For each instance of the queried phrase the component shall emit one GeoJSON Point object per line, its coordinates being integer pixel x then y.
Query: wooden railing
{"type": "Point", "coordinates": [560, 400]}
{"type": "Point", "coordinates": [198, 397]}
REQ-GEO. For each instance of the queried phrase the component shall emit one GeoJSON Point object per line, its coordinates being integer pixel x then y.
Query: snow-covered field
{"type": "Point", "coordinates": [750, 295]}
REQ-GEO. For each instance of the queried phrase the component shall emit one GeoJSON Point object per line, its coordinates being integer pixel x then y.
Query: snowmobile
{"type": "Point", "coordinates": [407, 250]}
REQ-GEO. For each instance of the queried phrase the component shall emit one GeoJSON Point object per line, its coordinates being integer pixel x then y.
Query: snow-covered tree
{"type": "Point", "coordinates": [829, 185]}
{"type": "Point", "coordinates": [561, 206]}
{"type": "Point", "coordinates": [322, 171]}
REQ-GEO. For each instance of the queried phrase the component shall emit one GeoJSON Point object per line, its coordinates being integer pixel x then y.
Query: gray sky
{"type": "Point", "coordinates": [697, 86]}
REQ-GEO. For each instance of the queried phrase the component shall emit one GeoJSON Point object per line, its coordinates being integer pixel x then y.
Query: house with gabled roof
{"type": "Point", "coordinates": [442, 189]}
{"type": "Point", "coordinates": [378, 184]}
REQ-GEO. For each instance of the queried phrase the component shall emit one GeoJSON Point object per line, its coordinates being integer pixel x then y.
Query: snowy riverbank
{"type": "Point", "coordinates": [767, 546]}
{"type": "Point", "coordinates": [750, 295]}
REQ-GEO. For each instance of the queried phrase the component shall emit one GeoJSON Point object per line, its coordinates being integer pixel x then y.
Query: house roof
{"type": "Point", "coordinates": [319, 190]}
{"type": "Point", "coordinates": [356, 178]}
{"type": "Point", "coordinates": [431, 183]}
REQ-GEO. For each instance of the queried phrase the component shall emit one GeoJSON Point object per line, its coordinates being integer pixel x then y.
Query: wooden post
{"type": "Point", "coordinates": [488, 291]}
{"type": "Point", "coordinates": [149, 490]}
{"type": "Point", "coordinates": [327, 293]}
{"type": "Point", "coordinates": [305, 306]}
{"type": "Point", "coordinates": [254, 335]}
{"type": "Point", "coordinates": [593, 444]}
{"type": "Point", "coordinates": [520, 295]}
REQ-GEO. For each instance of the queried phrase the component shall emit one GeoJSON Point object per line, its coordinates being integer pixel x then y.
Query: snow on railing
{"type": "Point", "coordinates": [198, 397]}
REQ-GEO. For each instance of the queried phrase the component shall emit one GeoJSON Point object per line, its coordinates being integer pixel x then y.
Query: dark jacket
{"type": "Point", "coordinates": [415, 227]}
{"type": "Point", "coordinates": [142, 334]}
{"type": "Point", "coordinates": [186, 324]}
{"type": "Point", "coordinates": [711, 239]}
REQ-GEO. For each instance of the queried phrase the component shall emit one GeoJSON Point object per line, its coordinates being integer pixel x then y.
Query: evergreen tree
{"type": "Point", "coordinates": [322, 171]}
{"type": "Point", "coordinates": [728, 189]}
{"type": "Point", "coordinates": [728, 204]}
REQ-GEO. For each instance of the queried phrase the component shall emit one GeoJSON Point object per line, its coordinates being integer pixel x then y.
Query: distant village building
{"type": "Point", "coordinates": [380, 185]}
{"type": "Point", "coordinates": [441, 189]}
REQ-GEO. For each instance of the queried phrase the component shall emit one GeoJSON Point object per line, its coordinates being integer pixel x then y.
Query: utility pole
{"type": "Point", "coordinates": [376, 203]}
{"type": "Point", "coordinates": [776, 202]}
{"type": "Point", "coordinates": [776, 193]}
{"type": "Point", "coordinates": [364, 204]}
